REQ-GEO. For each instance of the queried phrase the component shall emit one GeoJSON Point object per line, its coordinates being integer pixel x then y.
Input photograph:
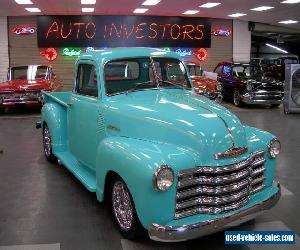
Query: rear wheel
{"type": "Point", "coordinates": [124, 210]}
{"type": "Point", "coordinates": [237, 98]}
{"type": "Point", "coordinates": [47, 145]}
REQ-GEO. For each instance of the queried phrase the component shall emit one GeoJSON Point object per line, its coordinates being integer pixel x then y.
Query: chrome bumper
{"type": "Point", "coordinates": [16, 101]}
{"type": "Point", "coordinates": [263, 97]}
{"type": "Point", "coordinates": [192, 231]}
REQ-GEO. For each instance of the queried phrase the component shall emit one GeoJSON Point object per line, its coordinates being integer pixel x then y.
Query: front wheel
{"type": "Point", "coordinates": [237, 98]}
{"type": "Point", "coordinates": [124, 211]}
{"type": "Point", "coordinates": [47, 145]}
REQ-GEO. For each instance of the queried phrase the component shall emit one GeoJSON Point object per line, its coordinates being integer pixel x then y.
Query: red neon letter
{"type": "Point", "coordinates": [53, 28]}
{"type": "Point", "coordinates": [178, 31]}
{"type": "Point", "coordinates": [90, 36]}
{"type": "Point", "coordinates": [126, 31]}
{"type": "Point", "coordinates": [199, 28]}
{"type": "Point", "coordinates": [138, 28]}
{"type": "Point", "coordinates": [61, 31]}
{"type": "Point", "coordinates": [164, 29]}
{"type": "Point", "coordinates": [78, 28]}
{"type": "Point", "coordinates": [152, 29]}
{"type": "Point", "coordinates": [187, 30]}
{"type": "Point", "coordinates": [118, 33]}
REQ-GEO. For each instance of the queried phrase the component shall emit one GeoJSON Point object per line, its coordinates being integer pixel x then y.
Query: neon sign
{"type": "Point", "coordinates": [183, 52]}
{"type": "Point", "coordinates": [125, 31]}
{"type": "Point", "coordinates": [25, 30]}
{"type": "Point", "coordinates": [71, 52]}
{"type": "Point", "coordinates": [221, 32]}
{"type": "Point", "coordinates": [50, 54]}
{"type": "Point", "coordinates": [201, 54]}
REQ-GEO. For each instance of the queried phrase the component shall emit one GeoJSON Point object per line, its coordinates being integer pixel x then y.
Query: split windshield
{"type": "Point", "coordinates": [195, 70]}
{"type": "Point", "coordinates": [29, 73]}
{"type": "Point", "coordinates": [247, 71]}
{"type": "Point", "coordinates": [128, 75]}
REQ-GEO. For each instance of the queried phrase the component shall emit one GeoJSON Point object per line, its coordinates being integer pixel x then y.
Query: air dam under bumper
{"type": "Point", "coordinates": [263, 97]}
{"type": "Point", "coordinates": [192, 231]}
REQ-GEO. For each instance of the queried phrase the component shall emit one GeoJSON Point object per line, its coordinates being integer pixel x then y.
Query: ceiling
{"type": "Point", "coordinates": [164, 8]}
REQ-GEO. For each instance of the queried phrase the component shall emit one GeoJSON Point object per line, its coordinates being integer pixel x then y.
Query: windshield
{"type": "Point", "coordinates": [195, 70]}
{"type": "Point", "coordinates": [144, 73]}
{"type": "Point", "coordinates": [247, 71]}
{"type": "Point", "coordinates": [30, 73]}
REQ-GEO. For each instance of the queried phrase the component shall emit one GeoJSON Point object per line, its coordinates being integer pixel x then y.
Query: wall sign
{"type": "Point", "coordinates": [50, 54]}
{"type": "Point", "coordinates": [221, 32]}
{"type": "Point", "coordinates": [125, 31]}
{"type": "Point", "coordinates": [24, 30]}
{"type": "Point", "coordinates": [201, 54]}
{"type": "Point", "coordinates": [71, 52]}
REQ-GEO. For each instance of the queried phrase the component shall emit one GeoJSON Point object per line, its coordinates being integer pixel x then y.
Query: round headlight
{"type": "Point", "coordinates": [249, 86]}
{"type": "Point", "coordinates": [274, 148]}
{"type": "Point", "coordinates": [163, 178]}
{"type": "Point", "coordinates": [219, 86]}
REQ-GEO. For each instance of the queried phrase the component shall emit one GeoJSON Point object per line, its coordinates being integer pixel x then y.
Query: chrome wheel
{"type": "Point", "coordinates": [47, 142]}
{"type": "Point", "coordinates": [236, 98]}
{"type": "Point", "coordinates": [122, 206]}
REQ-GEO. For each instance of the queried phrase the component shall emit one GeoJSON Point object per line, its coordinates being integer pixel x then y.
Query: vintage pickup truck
{"type": "Point", "coordinates": [24, 85]}
{"type": "Point", "coordinates": [166, 159]}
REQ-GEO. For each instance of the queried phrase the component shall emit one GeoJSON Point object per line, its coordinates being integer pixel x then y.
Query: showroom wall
{"type": "Point", "coordinates": [24, 49]}
{"type": "Point", "coordinates": [4, 62]}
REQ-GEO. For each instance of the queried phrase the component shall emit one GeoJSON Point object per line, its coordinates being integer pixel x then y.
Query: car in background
{"type": "Point", "coordinates": [204, 82]}
{"type": "Point", "coordinates": [24, 85]}
{"type": "Point", "coordinates": [246, 83]}
{"type": "Point", "coordinates": [277, 68]}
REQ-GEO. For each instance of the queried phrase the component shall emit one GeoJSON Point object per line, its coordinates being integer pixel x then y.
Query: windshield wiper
{"type": "Point", "coordinates": [139, 84]}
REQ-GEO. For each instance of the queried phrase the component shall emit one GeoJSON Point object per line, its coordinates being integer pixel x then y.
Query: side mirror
{"type": "Point", "coordinates": [8, 75]}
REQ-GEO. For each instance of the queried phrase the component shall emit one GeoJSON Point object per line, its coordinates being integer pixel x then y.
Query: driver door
{"type": "Point", "coordinates": [83, 115]}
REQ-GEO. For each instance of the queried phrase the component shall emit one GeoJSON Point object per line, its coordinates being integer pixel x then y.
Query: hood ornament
{"type": "Point", "coordinates": [232, 152]}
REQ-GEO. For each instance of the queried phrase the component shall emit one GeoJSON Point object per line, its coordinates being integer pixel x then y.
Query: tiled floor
{"type": "Point", "coordinates": [42, 206]}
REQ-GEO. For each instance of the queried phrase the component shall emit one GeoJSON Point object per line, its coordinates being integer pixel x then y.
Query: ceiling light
{"type": "Point", "coordinates": [262, 8]}
{"type": "Point", "coordinates": [140, 10]}
{"type": "Point", "coordinates": [237, 15]}
{"type": "Point", "coordinates": [291, 1]}
{"type": "Point", "coordinates": [209, 5]}
{"type": "Point", "coordinates": [88, 1]}
{"type": "Point", "coordinates": [151, 2]}
{"type": "Point", "coordinates": [87, 9]}
{"type": "Point", "coordinates": [33, 9]}
{"type": "Point", "coordinates": [23, 1]}
{"type": "Point", "coordinates": [279, 49]}
{"type": "Point", "coordinates": [190, 12]}
{"type": "Point", "coordinates": [288, 21]}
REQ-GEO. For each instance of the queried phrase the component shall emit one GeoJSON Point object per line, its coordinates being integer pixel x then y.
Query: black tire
{"type": "Point", "coordinates": [47, 145]}
{"type": "Point", "coordinates": [275, 105]}
{"type": "Point", "coordinates": [133, 229]}
{"type": "Point", "coordinates": [237, 99]}
{"type": "Point", "coordinates": [2, 111]}
{"type": "Point", "coordinates": [286, 111]}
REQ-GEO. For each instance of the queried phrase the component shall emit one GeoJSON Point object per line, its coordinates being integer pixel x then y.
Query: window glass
{"type": "Point", "coordinates": [144, 73]}
{"type": "Point", "coordinates": [30, 73]}
{"type": "Point", "coordinates": [227, 70]}
{"type": "Point", "coordinates": [87, 80]}
{"type": "Point", "coordinates": [218, 70]}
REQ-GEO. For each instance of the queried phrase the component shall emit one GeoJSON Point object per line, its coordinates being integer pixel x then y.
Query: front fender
{"type": "Point", "coordinates": [55, 116]}
{"type": "Point", "coordinates": [136, 161]}
{"type": "Point", "coordinates": [259, 140]}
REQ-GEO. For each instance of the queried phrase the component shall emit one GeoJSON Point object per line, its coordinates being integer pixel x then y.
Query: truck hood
{"type": "Point", "coordinates": [176, 117]}
{"type": "Point", "coordinates": [23, 85]}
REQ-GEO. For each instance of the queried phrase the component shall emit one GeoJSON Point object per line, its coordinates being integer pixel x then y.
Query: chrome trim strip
{"type": "Point", "coordinates": [214, 201]}
{"type": "Point", "coordinates": [214, 180]}
{"type": "Point", "coordinates": [212, 190]}
{"type": "Point", "coordinates": [232, 152]}
{"type": "Point", "coordinates": [186, 232]}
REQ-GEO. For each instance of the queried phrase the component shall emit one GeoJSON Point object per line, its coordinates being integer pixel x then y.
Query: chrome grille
{"type": "Point", "coordinates": [213, 190]}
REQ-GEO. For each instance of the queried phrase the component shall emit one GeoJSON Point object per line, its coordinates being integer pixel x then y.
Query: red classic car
{"type": "Point", "coordinates": [203, 83]}
{"type": "Point", "coordinates": [24, 85]}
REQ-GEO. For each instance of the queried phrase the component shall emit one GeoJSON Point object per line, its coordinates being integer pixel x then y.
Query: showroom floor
{"type": "Point", "coordinates": [42, 206]}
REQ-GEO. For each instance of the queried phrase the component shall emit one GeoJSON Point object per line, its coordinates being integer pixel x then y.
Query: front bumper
{"type": "Point", "coordinates": [263, 97]}
{"type": "Point", "coordinates": [10, 102]}
{"type": "Point", "coordinates": [187, 232]}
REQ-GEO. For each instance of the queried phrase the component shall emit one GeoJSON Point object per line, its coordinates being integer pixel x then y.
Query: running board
{"type": "Point", "coordinates": [81, 172]}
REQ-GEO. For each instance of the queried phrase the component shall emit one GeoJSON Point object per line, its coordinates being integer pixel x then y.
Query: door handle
{"type": "Point", "coordinates": [69, 104]}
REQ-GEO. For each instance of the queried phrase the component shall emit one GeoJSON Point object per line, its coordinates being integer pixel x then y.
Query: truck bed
{"type": "Point", "coordinates": [59, 97]}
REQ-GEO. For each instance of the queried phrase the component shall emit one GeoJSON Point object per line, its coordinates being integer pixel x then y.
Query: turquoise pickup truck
{"type": "Point", "coordinates": [169, 162]}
